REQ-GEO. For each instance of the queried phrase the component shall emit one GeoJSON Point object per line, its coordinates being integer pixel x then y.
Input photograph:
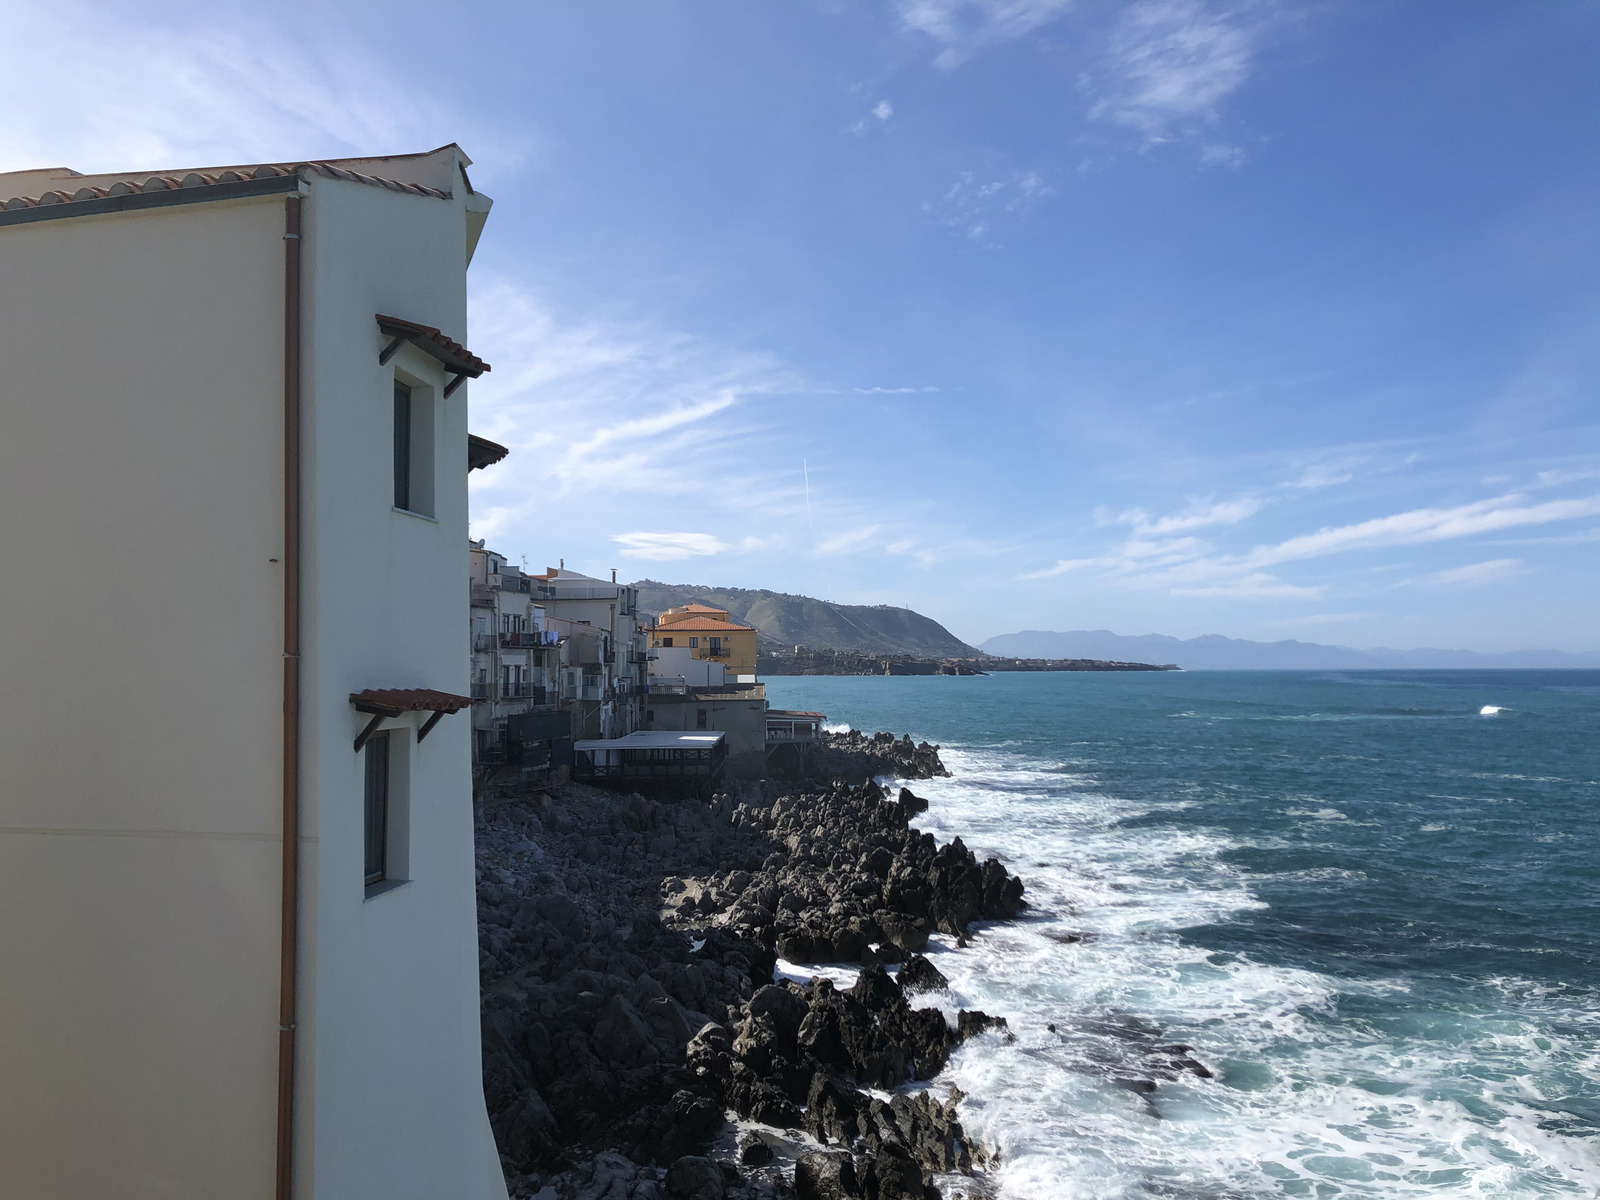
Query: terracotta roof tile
{"type": "Point", "coordinates": [700, 625]}
{"type": "Point", "coordinates": [428, 339]}
{"type": "Point", "coordinates": [392, 701]}
{"type": "Point", "coordinates": [481, 452]}
{"type": "Point", "coordinates": [195, 179]}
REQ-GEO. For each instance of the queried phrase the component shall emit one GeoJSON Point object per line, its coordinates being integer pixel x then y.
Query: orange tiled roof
{"type": "Point", "coordinates": [701, 625]}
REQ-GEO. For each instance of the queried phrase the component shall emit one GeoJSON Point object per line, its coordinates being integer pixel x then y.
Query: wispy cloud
{"type": "Point", "coordinates": [1256, 586]}
{"type": "Point", "coordinates": [663, 547]}
{"type": "Point", "coordinates": [881, 112]}
{"type": "Point", "coordinates": [975, 206]}
{"type": "Point", "coordinates": [613, 413]}
{"type": "Point", "coordinates": [1063, 566]}
{"type": "Point", "coordinates": [1167, 68]}
{"type": "Point", "coordinates": [1198, 515]}
{"type": "Point", "coordinates": [962, 27]}
{"type": "Point", "coordinates": [849, 540]}
{"type": "Point", "coordinates": [146, 94]}
{"type": "Point", "coordinates": [1423, 525]}
{"type": "Point", "coordinates": [1474, 573]}
{"type": "Point", "coordinates": [892, 391]}
{"type": "Point", "coordinates": [1192, 566]}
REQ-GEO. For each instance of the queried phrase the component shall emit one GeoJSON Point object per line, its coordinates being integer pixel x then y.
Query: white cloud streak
{"type": "Point", "coordinates": [664, 547]}
{"type": "Point", "coordinates": [1190, 566]}
{"type": "Point", "coordinates": [1423, 525]}
{"type": "Point", "coordinates": [1474, 573]}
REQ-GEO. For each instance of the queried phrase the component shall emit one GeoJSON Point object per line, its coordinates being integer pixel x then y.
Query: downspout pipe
{"type": "Point", "coordinates": [289, 936]}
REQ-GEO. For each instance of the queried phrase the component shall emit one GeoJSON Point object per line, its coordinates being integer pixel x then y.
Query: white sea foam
{"type": "Point", "coordinates": [1302, 1103]}
{"type": "Point", "coordinates": [1489, 710]}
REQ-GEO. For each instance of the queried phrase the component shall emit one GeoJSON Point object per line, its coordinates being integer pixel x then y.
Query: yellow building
{"type": "Point", "coordinates": [708, 634]}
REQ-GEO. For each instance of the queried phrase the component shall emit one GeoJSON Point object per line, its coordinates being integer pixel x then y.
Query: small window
{"type": "Point", "coordinates": [402, 446]}
{"type": "Point", "coordinates": [667, 643]}
{"type": "Point", "coordinates": [413, 449]}
{"type": "Point", "coordinates": [699, 718]}
{"type": "Point", "coordinates": [694, 643]}
{"type": "Point", "coordinates": [377, 808]}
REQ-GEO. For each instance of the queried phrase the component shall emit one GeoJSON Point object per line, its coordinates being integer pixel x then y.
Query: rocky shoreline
{"type": "Point", "coordinates": [627, 952]}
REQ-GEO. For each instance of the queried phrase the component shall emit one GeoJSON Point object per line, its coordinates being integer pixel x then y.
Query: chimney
{"type": "Point", "coordinates": [613, 574]}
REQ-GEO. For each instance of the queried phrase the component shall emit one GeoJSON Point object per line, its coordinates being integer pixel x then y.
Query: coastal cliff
{"type": "Point", "coordinates": [627, 950]}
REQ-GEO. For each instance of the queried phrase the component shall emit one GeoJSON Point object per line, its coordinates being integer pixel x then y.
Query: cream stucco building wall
{"type": "Point", "coordinates": [141, 435]}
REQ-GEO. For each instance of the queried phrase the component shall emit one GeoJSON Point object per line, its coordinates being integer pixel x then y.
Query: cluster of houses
{"type": "Point", "coordinates": [568, 678]}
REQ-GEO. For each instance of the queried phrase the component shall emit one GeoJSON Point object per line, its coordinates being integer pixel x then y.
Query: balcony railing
{"type": "Point", "coordinates": [483, 641]}
{"type": "Point", "coordinates": [522, 691]}
{"type": "Point", "coordinates": [529, 639]}
{"type": "Point", "coordinates": [480, 691]}
{"type": "Point", "coordinates": [716, 651]}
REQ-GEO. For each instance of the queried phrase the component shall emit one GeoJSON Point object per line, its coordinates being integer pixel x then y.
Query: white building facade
{"type": "Point", "coordinates": [237, 910]}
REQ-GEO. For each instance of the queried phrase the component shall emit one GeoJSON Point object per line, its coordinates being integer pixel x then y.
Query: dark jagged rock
{"type": "Point", "coordinates": [917, 974]}
{"type": "Point", "coordinates": [823, 1175]}
{"type": "Point", "coordinates": [971, 1024]}
{"type": "Point", "coordinates": [627, 949]}
{"type": "Point", "coordinates": [695, 1178]}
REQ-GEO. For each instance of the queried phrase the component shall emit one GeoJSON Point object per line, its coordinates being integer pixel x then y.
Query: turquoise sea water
{"type": "Point", "coordinates": [1371, 909]}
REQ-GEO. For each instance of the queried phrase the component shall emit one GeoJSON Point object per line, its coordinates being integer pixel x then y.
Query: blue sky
{"type": "Point", "coordinates": [1264, 319]}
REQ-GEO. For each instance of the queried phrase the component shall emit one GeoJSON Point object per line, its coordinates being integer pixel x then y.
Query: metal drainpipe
{"type": "Point", "coordinates": [289, 936]}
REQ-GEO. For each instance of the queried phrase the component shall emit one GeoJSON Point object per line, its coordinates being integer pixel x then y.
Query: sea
{"type": "Point", "coordinates": [1311, 934]}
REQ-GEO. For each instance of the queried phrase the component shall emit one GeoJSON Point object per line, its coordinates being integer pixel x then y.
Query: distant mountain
{"type": "Point", "coordinates": [788, 621]}
{"type": "Point", "coordinates": [1213, 652]}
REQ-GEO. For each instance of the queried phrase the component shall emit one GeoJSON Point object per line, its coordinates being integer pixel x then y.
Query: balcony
{"type": "Point", "coordinates": [716, 652]}
{"type": "Point", "coordinates": [480, 691]}
{"type": "Point", "coordinates": [529, 639]}
{"type": "Point", "coordinates": [524, 690]}
{"type": "Point", "coordinates": [482, 642]}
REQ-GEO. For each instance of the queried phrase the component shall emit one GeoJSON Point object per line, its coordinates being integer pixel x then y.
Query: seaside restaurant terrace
{"type": "Point", "coordinates": [690, 762]}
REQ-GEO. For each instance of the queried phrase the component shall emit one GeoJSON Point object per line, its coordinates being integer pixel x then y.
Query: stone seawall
{"type": "Point", "coordinates": [628, 946]}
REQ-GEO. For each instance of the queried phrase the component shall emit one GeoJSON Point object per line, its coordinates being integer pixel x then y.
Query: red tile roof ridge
{"type": "Point", "coordinates": [698, 624]}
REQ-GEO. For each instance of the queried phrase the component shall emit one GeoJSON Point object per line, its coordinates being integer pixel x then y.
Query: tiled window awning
{"type": "Point", "coordinates": [383, 703]}
{"type": "Point", "coordinates": [481, 452]}
{"type": "Point", "coordinates": [455, 358]}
